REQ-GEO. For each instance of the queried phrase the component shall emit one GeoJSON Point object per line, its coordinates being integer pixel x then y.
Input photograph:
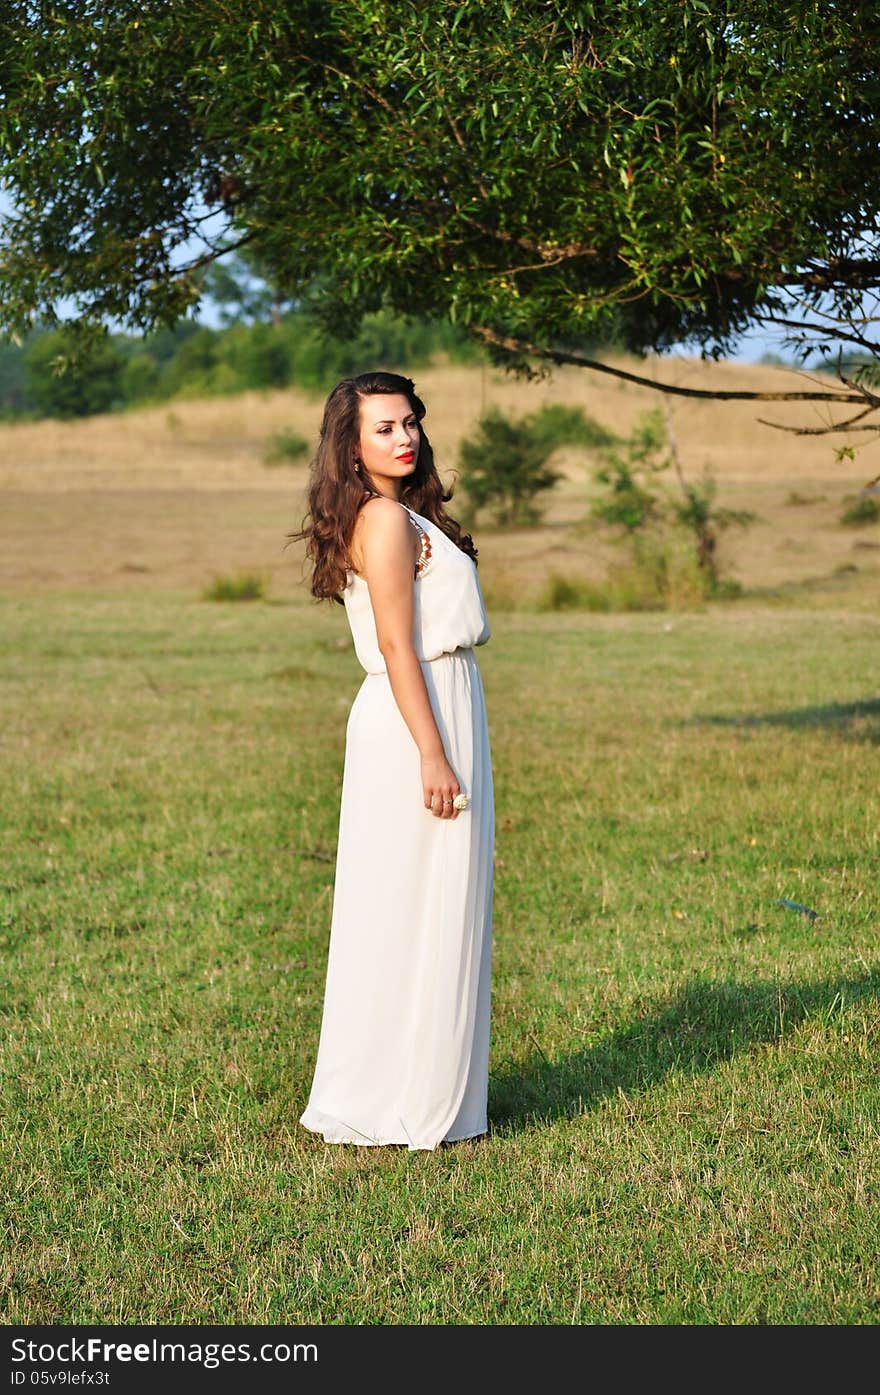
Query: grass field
{"type": "Point", "coordinates": [684, 1090]}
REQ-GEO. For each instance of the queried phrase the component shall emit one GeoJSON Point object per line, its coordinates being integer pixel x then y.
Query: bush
{"type": "Point", "coordinates": [557, 425]}
{"type": "Point", "coordinates": [798, 500]}
{"type": "Point", "coordinates": [245, 586]}
{"type": "Point", "coordinates": [648, 515]}
{"type": "Point", "coordinates": [661, 574]}
{"type": "Point", "coordinates": [865, 508]}
{"type": "Point", "coordinates": [504, 466]}
{"type": "Point", "coordinates": [285, 448]}
{"type": "Point", "coordinates": [695, 509]}
{"type": "Point", "coordinates": [628, 501]}
{"type": "Point", "coordinates": [562, 592]}
{"type": "Point", "coordinates": [664, 574]}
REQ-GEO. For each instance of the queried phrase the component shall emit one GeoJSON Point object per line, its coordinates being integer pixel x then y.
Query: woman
{"type": "Point", "coordinates": [404, 1048]}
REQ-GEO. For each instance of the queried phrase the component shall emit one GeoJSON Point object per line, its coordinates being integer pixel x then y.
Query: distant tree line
{"type": "Point", "coordinates": [44, 377]}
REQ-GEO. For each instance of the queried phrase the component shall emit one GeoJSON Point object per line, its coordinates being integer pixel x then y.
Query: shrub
{"type": "Point", "coordinates": [628, 501]}
{"type": "Point", "coordinates": [505, 464]}
{"type": "Point", "coordinates": [561, 592]}
{"type": "Point", "coordinates": [245, 586]}
{"type": "Point", "coordinates": [798, 500]}
{"type": "Point", "coordinates": [695, 509]}
{"type": "Point", "coordinates": [634, 501]}
{"type": "Point", "coordinates": [664, 574]}
{"type": "Point", "coordinates": [285, 448]}
{"type": "Point", "coordinates": [865, 508]}
{"type": "Point", "coordinates": [660, 574]}
{"type": "Point", "coordinates": [502, 590]}
{"type": "Point", "coordinates": [558, 425]}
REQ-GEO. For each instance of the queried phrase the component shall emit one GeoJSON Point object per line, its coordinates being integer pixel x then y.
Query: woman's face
{"type": "Point", "coordinates": [390, 439]}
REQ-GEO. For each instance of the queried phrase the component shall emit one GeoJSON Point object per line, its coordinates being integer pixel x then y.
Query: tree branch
{"type": "Point", "coordinates": [206, 258]}
{"type": "Point", "coordinates": [550, 255]}
{"type": "Point", "coordinates": [849, 272]}
{"type": "Point", "coordinates": [825, 430]}
{"type": "Point", "coordinates": [821, 331]}
{"type": "Point", "coordinates": [560, 356]}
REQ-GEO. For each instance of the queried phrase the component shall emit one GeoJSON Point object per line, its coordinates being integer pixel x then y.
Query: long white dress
{"type": "Point", "coordinates": [403, 1055]}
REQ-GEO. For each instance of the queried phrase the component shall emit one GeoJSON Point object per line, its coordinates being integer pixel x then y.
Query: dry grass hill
{"type": "Point", "coordinates": [177, 494]}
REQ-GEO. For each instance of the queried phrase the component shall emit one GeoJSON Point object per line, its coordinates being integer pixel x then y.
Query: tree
{"type": "Point", "coordinates": [93, 385]}
{"type": "Point", "coordinates": [13, 390]}
{"type": "Point", "coordinates": [545, 173]}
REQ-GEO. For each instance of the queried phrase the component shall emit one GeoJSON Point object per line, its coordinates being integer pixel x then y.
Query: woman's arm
{"type": "Point", "coordinates": [386, 541]}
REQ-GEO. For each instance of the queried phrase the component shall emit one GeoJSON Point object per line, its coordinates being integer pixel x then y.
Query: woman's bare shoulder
{"type": "Point", "coordinates": [380, 506]}
{"type": "Point", "coordinates": [381, 517]}
{"type": "Point", "coordinates": [381, 524]}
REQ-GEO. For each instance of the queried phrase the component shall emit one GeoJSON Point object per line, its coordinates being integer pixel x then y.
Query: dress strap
{"type": "Point", "coordinates": [425, 554]}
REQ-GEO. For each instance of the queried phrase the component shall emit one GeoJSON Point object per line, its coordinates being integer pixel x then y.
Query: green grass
{"type": "Point", "coordinates": [684, 1085]}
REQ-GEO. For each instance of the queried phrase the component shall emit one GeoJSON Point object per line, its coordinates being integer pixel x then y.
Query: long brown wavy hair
{"type": "Point", "coordinates": [337, 491]}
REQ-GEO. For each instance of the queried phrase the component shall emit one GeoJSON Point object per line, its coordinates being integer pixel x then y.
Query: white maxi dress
{"type": "Point", "coordinates": [403, 1056]}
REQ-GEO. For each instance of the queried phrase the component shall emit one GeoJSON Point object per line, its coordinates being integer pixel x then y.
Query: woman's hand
{"type": "Point", "coordinates": [439, 787]}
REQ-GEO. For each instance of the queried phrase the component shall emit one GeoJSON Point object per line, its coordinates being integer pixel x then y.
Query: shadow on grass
{"type": "Point", "coordinates": [703, 1025]}
{"type": "Point", "coordinates": [859, 721]}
